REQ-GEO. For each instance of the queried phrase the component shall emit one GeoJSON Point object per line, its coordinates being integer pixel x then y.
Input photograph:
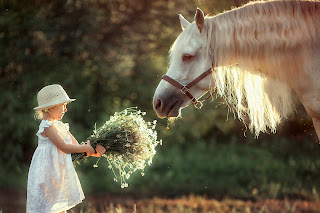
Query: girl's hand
{"type": "Point", "coordinates": [90, 151]}
{"type": "Point", "coordinates": [100, 150]}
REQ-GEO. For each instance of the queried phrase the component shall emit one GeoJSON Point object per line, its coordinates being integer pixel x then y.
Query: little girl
{"type": "Point", "coordinates": [53, 185]}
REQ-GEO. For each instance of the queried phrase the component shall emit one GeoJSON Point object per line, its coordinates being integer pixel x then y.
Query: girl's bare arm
{"type": "Point", "coordinates": [55, 137]}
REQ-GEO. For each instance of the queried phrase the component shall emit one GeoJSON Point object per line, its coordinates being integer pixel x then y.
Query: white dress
{"type": "Point", "coordinates": [53, 184]}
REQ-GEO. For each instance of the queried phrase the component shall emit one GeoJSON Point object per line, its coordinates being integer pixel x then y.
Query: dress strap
{"type": "Point", "coordinates": [44, 124]}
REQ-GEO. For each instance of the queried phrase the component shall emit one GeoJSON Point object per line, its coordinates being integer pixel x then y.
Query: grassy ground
{"type": "Point", "coordinates": [192, 204]}
{"type": "Point", "coordinates": [14, 202]}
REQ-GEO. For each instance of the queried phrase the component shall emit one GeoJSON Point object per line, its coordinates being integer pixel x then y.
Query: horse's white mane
{"type": "Point", "coordinates": [259, 30]}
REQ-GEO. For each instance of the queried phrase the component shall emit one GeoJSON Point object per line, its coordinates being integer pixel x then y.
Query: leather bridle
{"type": "Point", "coordinates": [185, 89]}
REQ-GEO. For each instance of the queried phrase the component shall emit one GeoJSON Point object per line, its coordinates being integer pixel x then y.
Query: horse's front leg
{"type": "Point", "coordinates": [316, 124]}
{"type": "Point", "coordinates": [311, 103]}
{"type": "Point", "coordinates": [308, 89]}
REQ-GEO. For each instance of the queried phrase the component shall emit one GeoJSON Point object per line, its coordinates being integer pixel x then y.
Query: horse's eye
{"type": "Point", "coordinates": [187, 57]}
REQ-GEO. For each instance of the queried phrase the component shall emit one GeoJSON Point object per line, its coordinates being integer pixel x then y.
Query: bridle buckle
{"type": "Point", "coordinates": [184, 89]}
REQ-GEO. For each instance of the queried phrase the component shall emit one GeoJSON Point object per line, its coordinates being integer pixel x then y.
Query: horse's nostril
{"type": "Point", "coordinates": [158, 104]}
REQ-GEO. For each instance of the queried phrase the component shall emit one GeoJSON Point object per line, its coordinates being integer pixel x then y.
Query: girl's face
{"type": "Point", "coordinates": [58, 111]}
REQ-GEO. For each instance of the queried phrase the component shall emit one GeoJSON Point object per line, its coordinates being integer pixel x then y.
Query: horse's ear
{"type": "Point", "coordinates": [184, 23]}
{"type": "Point", "coordinates": [199, 19]}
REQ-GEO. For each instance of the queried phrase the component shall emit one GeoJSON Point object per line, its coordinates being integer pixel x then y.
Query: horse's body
{"type": "Point", "coordinates": [262, 53]}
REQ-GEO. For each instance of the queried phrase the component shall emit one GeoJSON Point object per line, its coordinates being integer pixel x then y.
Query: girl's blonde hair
{"type": "Point", "coordinates": [39, 114]}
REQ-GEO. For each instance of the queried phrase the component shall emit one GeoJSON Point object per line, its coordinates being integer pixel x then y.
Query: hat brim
{"type": "Point", "coordinates": [52, 104]}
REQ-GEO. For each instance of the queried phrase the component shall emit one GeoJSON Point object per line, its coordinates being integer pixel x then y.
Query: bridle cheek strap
{"type": "Point", "coordinates": [185, 89]}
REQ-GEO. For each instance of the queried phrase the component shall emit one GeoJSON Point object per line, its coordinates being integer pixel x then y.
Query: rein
{"type": "Point", "coordinates": [185, 89]}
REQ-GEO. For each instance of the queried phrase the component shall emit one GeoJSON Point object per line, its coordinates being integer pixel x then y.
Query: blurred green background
{"type": "Point", "coordinates": [109, 55]}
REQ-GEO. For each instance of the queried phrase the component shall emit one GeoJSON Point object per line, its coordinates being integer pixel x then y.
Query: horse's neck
{"type": "Point", "coordinates": [264, 36]}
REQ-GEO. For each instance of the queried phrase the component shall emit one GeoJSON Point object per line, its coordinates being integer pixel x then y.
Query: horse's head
{"type": "Point", "coordinates": [189, 58]}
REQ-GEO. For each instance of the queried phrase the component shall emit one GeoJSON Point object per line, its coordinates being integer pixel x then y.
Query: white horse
{"type": "Point", "coordinates": [261, 56]}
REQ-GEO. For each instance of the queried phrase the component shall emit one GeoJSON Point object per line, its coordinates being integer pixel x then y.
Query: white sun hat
{"type": "Point", "coordinates": [52, 95]}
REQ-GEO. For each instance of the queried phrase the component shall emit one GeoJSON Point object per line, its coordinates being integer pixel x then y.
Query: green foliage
{"type": "Point", "coordinates": [100, 55]}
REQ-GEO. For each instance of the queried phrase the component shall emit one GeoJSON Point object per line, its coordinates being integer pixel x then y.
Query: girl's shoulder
{"type": "Point", "coordinates": [60, 124]}
{"type": "Point", "coordinates": [44, 124]}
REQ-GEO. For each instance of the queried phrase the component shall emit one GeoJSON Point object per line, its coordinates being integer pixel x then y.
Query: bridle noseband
{"type": "Point", "coordinates": [185, 89]}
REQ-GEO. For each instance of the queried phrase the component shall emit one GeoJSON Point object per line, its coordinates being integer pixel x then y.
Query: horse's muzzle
{"type": "Point", "coordinates": [168, 106]}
